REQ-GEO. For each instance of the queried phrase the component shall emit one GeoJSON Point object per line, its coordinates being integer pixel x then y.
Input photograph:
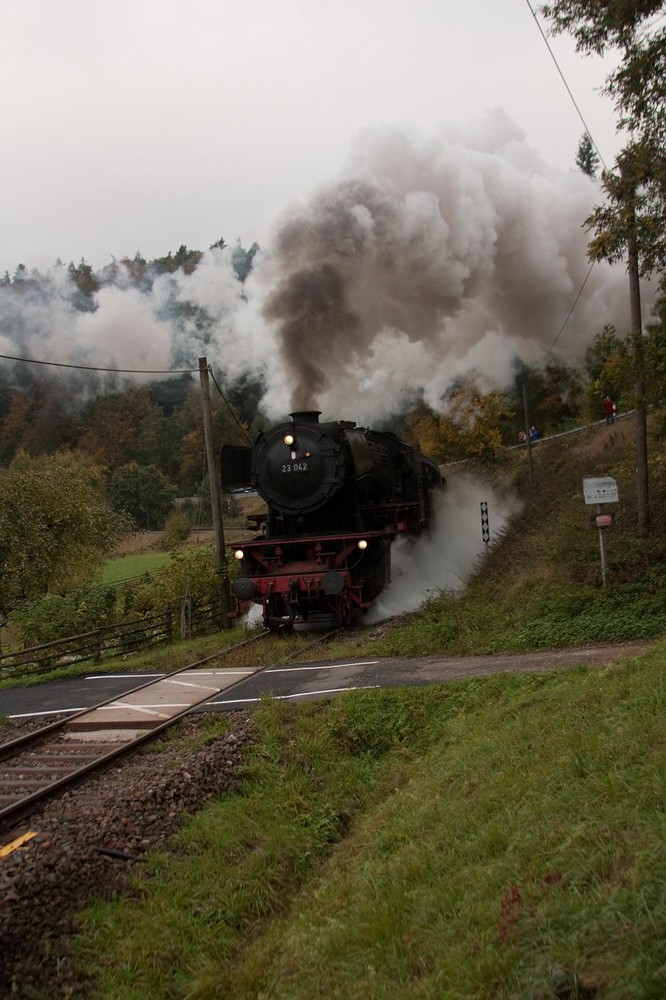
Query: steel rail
{"type": "Point", "coordinates": [24, 806]}
{"type": "Point", "coordinates": [8, 751]}
{"type": "Point", "coordinates": [9, 748]}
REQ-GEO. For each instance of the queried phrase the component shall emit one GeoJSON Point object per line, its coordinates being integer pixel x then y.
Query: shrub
{"type": "Point", "coordinates": [55, 616]}
{"type": "Point", "coordinates": [192, 574]}
{"type": "Point", "coordinates": [176, 531]}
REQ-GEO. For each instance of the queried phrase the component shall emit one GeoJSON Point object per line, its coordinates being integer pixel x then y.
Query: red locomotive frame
{"type": "Point", "coordinates": [311, 577]}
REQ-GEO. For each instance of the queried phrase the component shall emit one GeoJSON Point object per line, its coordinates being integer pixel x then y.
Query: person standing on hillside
{"type": "Point", "coordinates": [609, 409]}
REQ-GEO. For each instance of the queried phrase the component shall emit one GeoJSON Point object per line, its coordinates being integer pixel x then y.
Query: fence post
{"type": "Point", "coordinates": [97, 645]}
{"type": "Point", "coordinates": [168, 626]}
{"type": "Point", "coordinates": [186, 620]}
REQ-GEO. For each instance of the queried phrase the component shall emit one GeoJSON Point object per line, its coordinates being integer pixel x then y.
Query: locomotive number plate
{"type": "Point", "coordinates": [296, 467]}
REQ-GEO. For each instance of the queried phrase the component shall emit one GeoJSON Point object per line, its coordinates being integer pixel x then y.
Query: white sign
{"type": "Point", "coordinates": [602, 490]}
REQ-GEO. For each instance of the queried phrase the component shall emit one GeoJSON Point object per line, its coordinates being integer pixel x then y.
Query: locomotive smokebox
{"type": "Point", "coordinates": [306, 416]}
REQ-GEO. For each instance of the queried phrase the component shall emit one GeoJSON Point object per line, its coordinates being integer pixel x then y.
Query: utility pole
{"type": "Point", "coordinates": [642, 480]}
{"type": "Point", "coordinates": [528, 439]}
{"type": "Point", "coordinates": [214, 481]}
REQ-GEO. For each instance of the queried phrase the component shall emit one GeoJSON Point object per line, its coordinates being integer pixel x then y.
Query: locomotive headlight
{"type": "Point", "coordinates": [362, 544]}
{"type": "Point", "coordinates": [238, 554]}
{"type": "Point", "coordinates": [288, 439]}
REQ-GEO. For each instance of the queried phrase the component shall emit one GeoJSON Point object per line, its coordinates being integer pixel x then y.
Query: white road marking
{"type": "Point", "coordinates": [162, 704]}
{"type": "Point", "coordinates": [53, 711]}
{"type": "Point", "coordinates": [199, 687]}
{"type": "Point", "coordinates": [118, 677]}
{"type": "Point", "coordinates": [131, 708]}
{"type": "Point", "coordinates": [192, 673]}
{"type": "Point", "coordinates": [329, 666]}
{"type": "Point", "coordinates": [302, 694]}
{"type": "Point", "coordinates": [218, 673]}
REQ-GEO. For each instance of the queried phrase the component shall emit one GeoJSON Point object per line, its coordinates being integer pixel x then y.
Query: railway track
{"type": "Point", "coordinates": [50, 760]}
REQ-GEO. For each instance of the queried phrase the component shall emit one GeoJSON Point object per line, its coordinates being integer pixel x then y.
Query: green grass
{"type": "Point", "coordinates": [271, 649]}
{"type": "Point", "coordinates": [498, 838]}
{"type": "Point", "coordinates": [545, 617]}
{"type": "Point", "coordinates": [132, 567]}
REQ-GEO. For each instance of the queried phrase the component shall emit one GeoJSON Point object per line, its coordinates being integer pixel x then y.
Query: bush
{"type": "Point", "coordinates": [192, 574]}
{"type": "Point", "coordinates": [53, 616]}
{"type": "Point", "coordinates": [176, 531]}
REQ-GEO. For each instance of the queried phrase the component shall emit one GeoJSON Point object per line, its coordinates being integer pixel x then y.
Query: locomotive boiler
{"type": "Point", "coordinates": [336, 496]}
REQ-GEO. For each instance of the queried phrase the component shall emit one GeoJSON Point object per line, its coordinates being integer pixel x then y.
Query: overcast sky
{"type": "Point", "coordinates": [140, 125]}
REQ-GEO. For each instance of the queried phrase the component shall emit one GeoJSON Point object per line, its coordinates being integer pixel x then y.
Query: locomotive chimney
{"type": "Point", "coordinates": [306, 416]}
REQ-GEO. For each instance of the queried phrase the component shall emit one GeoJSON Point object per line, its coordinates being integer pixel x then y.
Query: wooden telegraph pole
{"type": "Point", "coordinates": [528, 439]}
{"type": "Point", "coordinates": [214, 480]}
{"type": "Point", "coordinates": [640, 428]}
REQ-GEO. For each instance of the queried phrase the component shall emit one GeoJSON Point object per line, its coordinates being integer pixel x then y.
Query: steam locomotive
{"type": "Point", "coordinates": [336, 496]}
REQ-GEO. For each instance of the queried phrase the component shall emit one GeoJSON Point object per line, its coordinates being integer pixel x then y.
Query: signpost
{"type": "Point", "coordinates": [485, 525]}
{"type": "Point", "coordinates": [598, 491]}
{"type": "Point", "coordinates": [601, 490]}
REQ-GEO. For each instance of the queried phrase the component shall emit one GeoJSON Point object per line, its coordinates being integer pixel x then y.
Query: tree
{"type": "Point", "coordinates": [243, 260]}
{"type": "Point", "coordinates": [114, 424]}
{"type": "Point", "coordinates": [554, 396]}
{"type": "Point", "coordinates": [14, 425]}
{"type": "Point", "coordinates": [143, 493]}
{"type": "Point", "coordinates": [587, 158]}
{"type": "Point", "coordinates": [638, 87]}
{"type": "Point", "coordinates": [86, 286]}
{"type": "Point", "coordinates": [468, 429]}
{"type": "Point", "coordinates": [632, 221]}
{"type": "Point", "coordinates": [610, 364]}
{"type": "Point", "coordinates": [183, 258]}
{"type": "Point", "coordinates": [55, 525]}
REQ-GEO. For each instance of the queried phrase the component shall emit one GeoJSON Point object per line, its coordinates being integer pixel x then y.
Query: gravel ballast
{"type": "Point", "coordinates": [91, 841]}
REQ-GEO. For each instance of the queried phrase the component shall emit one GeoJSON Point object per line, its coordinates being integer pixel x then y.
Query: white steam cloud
{"type": "Point", "coordinates": [429, 258]}
{"type": "Point", "coordinates": [445, 558]}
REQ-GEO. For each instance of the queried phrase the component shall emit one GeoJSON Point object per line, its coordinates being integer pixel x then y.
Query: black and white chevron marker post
{"type": "Point", "coordinates": [485, 528]}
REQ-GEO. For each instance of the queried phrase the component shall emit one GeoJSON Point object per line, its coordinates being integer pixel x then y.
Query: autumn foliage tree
{"type": "Point", "coordinates": [469, 427]}
{"type": "Point", "coordinates": [114, 428]}
{"type": "Point", "coordinates": [55, 525]}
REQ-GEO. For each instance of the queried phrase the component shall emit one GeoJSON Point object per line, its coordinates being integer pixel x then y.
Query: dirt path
{"type": "Point", "coordinates": [448, 668]}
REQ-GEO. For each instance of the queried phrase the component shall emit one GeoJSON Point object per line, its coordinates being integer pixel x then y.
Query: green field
{"type": "Point", "coordinates": [132, 567]}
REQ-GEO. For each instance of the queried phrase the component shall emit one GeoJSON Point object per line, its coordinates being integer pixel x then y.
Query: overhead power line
{"type": "Point", "coordinates": [563, 78]}
{"type": "Point", "coordinates": [601, 159]}
{"type": "Point", "coordinates": [561, 330]}
{"type": "Point", "coordinates": [229, 406]}
{"type": "Point", "coordinates": [95, 368]}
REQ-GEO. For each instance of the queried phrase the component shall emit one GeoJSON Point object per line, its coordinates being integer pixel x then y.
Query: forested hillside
{"type": "Point", "coordinates": [142, 429]}
{"type": "Point", "coordinates": [107, 417]}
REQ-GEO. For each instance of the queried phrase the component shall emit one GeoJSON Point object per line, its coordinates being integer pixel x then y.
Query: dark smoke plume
{"type": "Point", "coordinates": [431, 258]}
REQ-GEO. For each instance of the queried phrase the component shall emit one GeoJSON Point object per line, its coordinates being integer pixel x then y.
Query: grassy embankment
{"type": "Point", "coordinates": [494, 838]}
{"type": "Point", "coordinates": [539, 586]}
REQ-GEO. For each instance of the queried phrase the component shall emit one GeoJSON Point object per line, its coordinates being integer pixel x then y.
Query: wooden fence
{"type": "Point", "coordinates": [110, 641]}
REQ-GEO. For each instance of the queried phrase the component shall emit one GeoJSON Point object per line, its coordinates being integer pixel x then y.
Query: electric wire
{"type": "Point", "coordinates": [561, 330]}
{"type": "Point", "coordinates": [564, 81]}
{"type": "Point", "coordinates": [95, 368]}
{"type": "Point", "coordinates": [601, 159]}
{"type": "Point", "coordinates": [229, 407]}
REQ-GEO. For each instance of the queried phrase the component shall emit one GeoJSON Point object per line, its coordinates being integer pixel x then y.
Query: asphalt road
{"type": "Point", "coordinates": [312, 680]}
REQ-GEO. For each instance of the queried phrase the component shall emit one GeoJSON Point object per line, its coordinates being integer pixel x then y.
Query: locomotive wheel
{"type": "Point", "coordinates": [345, 609]}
